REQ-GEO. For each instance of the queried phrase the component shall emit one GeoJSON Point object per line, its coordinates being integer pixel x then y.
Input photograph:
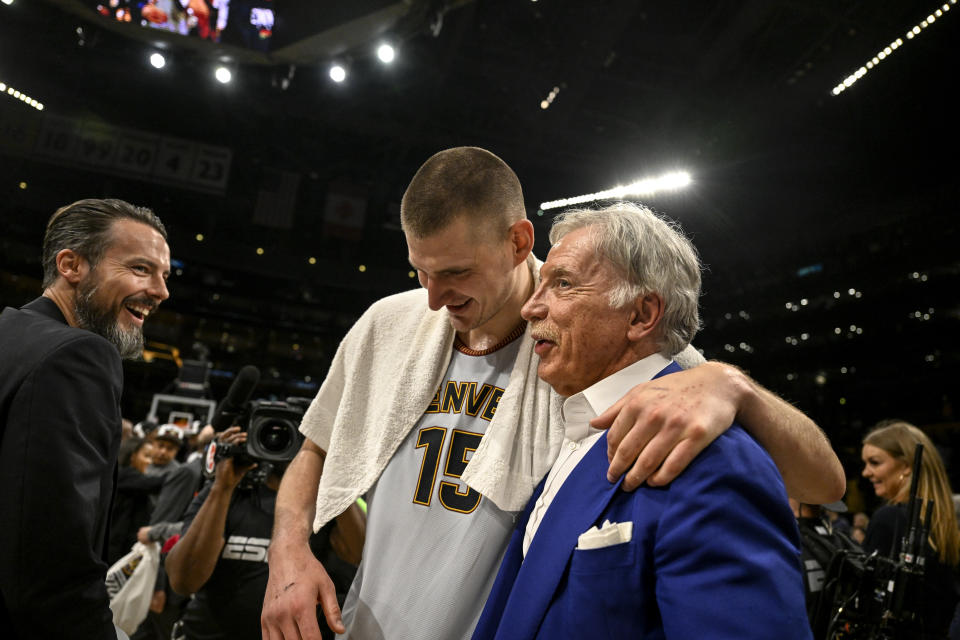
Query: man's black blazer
{"type": "Point", "coordinates": [59, 434]}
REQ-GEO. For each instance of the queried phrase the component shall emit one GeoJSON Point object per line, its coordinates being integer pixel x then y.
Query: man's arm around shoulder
{"type": "Point", "coordinates": [660, 426]}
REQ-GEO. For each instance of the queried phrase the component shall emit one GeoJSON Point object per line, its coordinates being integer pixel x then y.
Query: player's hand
{"type": "Point", "coordinates": [297, 584]}
{"type": "Point", "coordinates": [660, 426]}
{"type": "Point", "coordinates": [229, 473]}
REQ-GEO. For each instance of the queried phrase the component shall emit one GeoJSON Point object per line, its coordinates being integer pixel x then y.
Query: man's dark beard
{"type": "Point", "coordinates": [103, 321]}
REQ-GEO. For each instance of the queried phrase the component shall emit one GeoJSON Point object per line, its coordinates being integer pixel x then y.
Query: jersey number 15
{"type": "Point", "coordinates": [451, 496]}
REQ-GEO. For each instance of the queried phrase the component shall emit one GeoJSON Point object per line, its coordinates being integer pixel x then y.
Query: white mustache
{"type": "Point", "coordinates": [542, 331]}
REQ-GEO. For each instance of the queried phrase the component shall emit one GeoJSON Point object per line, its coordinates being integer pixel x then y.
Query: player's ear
{"type": "Point", "coordinates": [521, 240]}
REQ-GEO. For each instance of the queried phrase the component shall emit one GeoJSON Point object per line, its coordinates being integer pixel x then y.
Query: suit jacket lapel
{"type": "Point", "coordinates": [577, 506]}
{"type": "Point", "coordinates": [501, 595]}
{"type": "Point", "coordinates": [580, 501]}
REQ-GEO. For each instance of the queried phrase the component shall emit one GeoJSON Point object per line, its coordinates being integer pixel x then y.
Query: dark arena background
{"type": "Point", "coordinates": [821, 139]}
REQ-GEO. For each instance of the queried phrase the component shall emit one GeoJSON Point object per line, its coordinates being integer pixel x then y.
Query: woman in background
{"type": "Point", "coordinates": [888, 453]}
{"type": "Point", "coordinates": [131, 505]}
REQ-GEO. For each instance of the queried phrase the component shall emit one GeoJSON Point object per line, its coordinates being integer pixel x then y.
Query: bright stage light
{"type": "Point", "coordinates": [646, 187]}
{"type": "Point", "coordinates": [386, 53]}
{"type": "Point", "coordinates": [19, 95]}
{"type": "Point", "coordinates": [338, 73]}
{"type": "Point", "coordinates": [157, 60]}
{"type": "Point", "coordinates": [223, 75]}
{"type": "Point", "coordinates": [888, 50]}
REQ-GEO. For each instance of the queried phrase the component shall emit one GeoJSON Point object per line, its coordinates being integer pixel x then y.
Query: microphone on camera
{"type": "Point", "coordinates": [233, 405]}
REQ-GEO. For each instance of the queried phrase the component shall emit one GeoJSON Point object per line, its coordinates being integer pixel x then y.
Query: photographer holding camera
{"type": "Point", "coordinates": [221, 556]}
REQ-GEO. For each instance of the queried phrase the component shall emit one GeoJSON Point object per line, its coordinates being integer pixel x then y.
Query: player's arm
{"type": "Point", "coordinates": [347, 537]}
{"type": "Point", "coordinates": [298, 582]}
{"type": "Point", "coordinates": [659, 427]}
{"type": "Point", "coordinates": [192, 560]}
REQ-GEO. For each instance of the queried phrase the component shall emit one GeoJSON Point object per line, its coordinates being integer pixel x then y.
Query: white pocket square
{"type": "Point", "coordinates": [609, 534]}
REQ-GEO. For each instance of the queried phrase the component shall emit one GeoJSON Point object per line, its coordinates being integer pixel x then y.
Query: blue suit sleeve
{"type": "Point", "coordinates": [58, 469]}
{"type": "Point", "coordinates": [727, 549]}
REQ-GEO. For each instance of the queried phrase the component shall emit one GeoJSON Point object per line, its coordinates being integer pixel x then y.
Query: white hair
{"type": "Point", "coordinates": [652, 255]}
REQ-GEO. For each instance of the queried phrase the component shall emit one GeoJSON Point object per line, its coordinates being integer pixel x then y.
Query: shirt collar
{"type": "Point", "coordinates": [582, 407]}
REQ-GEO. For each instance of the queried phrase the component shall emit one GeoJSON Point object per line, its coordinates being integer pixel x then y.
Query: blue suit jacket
{"type": "Point", "coordinates": [715, 554]}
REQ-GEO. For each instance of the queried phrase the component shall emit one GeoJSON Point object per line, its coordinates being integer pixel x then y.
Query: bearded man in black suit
{"type": "Point", "coordinates": [105, 265]}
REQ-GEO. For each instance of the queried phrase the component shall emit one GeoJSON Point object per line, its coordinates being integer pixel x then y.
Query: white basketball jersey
{"type": "Point", "coordinates": [433, 544]}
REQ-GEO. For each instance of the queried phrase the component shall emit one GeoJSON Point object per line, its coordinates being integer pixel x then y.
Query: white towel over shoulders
{"type": "Point", "coordinates": [385, 373]}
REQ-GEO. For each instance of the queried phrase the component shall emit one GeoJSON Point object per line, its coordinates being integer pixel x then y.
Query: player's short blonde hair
{"type": "Point", "coordinates": [466, 182]}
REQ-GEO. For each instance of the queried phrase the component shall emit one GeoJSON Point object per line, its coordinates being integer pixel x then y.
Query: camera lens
{"type": "Point", "coordinates": [275, 436]}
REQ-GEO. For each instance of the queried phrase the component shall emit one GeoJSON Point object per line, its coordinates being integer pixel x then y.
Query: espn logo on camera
{"type": "Point", "coordinates": [244, 548]}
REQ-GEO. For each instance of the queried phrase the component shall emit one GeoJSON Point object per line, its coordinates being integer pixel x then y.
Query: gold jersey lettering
{"type": "Point", "coordinates": [455, 397]}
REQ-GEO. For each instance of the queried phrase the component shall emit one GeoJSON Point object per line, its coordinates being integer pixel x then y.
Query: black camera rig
{"type": "Point", "coordinates": [272, 428]}
{"type": "Point", "coordinates": [873, 597]}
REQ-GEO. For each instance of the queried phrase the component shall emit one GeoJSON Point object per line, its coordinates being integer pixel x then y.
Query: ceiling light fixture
{"type": "Point", "coordinates": [386, 53]}
{"type": "Point", "coordinates": [338, 73]}
{"type": "Point", "coordinates": [223, 75]}
{"type": "Point", "coordinates": [646, 187]}
{"type": "Point", "coordinates": [888, 50]}
{"type": "Point", "coordinates": [544, 104]}
{"type": "Point", "coordinates": [157, 60]}
{"type": "Point", "coordinates": [22, 97]}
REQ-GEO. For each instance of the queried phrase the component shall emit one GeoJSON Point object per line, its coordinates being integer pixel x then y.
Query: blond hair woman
{"type": "Point", "coordinates": [888, 453]}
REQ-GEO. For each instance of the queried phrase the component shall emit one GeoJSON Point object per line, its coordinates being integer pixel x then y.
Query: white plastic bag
{"type": "Point", "coordinates": [130, 583]}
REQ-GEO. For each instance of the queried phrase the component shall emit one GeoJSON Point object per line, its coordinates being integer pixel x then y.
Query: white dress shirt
{"type": "Point", "coordinates": [579, 436]}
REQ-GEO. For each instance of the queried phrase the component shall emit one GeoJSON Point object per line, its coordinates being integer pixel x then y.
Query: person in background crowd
{"type": "Point", "coordinates": [859, 530]}
{"type": "Point", "coordinates": [888, 454]}
{"type": "Point", "coordinates": [220, 557]}
{"type": "Point", "coordinates": [180, 483]}
{"type": "Point", "coordinates": [132, 506]}
{"type": "Point", "coordinates": [105, 267]}
{"type": "Point", "coordinates": [819, 545]}
{"type": "Point", "coordinates": [167, 440]}
{"type": "Point", "coordinates": [126, 429]}
{"type": "Point", "coordinates": [838, 521]}
{"type": "Point", "coordinates": [858, 535]}
{"type": "Point", "coordinates": [197, 441]}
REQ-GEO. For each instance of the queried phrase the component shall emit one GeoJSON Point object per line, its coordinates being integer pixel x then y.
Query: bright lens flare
{"type": "Point", "coordinates": [647, 187]}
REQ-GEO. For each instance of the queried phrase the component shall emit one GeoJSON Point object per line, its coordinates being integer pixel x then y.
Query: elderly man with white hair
{"type": "Point", "coordinates": [712, 555]}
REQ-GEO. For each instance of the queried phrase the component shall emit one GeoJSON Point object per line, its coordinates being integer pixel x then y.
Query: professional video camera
{"type": "Point", "coordinates": [273, 434]}
{"type": "Point", "coordinates": [872, 597]}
